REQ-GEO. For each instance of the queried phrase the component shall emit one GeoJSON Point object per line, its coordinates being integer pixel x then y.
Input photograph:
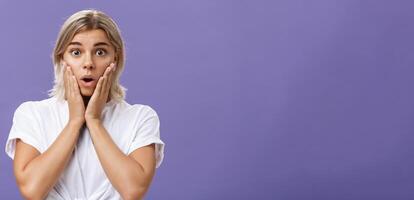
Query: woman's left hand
{"type": "Point", "coordinates": [100, 95]}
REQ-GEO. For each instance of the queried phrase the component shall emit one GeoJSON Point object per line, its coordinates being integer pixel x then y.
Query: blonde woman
{"type": "Point", "coordinates": [85, 141]}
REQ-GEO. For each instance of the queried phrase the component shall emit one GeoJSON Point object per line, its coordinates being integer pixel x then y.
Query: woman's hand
{"type": "Point", "coordinates": [73, 96]}
{"type": "Point", "coordinates": [100, 96]}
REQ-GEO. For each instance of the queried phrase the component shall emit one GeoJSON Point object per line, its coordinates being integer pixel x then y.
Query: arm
{"type": "Point", "coordinates": [130, 175]}
{"type": "Point", "coordinates": [37, 173]}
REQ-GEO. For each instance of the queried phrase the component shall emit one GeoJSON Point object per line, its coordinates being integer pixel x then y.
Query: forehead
{"type": "Point", "coordinates": [91, 37]}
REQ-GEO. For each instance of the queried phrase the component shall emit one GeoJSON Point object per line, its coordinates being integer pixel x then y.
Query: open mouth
{"type": "Point", "coordinates": [87, 79]}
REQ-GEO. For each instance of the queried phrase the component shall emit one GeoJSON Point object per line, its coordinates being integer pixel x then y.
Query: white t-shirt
{"type": "Point", "coordinates": [38, 123]}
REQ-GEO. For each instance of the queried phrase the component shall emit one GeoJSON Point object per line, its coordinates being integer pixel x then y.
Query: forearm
{"type": "Point", "coordinates": [41, 174]}
{"type": "Point", "coordinates": [125, 174]}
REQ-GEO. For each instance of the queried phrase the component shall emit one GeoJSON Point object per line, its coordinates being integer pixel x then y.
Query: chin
{"type": "Point", "coordinates": [86, 93]}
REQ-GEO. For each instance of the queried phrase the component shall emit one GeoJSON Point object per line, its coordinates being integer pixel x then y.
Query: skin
{"type": "Point", "coordinates": [37, 173]}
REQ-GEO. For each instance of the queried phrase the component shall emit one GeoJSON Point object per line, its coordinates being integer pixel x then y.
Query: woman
{"type": "Point", "coordinates": [85, 141]}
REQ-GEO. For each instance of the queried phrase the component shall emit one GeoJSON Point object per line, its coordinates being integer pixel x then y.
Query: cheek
{"type": "Point", "coordinates": [73, 63]}
{"type": "Point", "coordinates": [74, 68]}
{"type": "Point", "coordinates": [102, 67]}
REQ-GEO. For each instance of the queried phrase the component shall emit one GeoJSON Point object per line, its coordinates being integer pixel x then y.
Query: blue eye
{"type": "Point", "coordinates": [75, 52]}
{"type": "Point", "coordinates": [100, 52]}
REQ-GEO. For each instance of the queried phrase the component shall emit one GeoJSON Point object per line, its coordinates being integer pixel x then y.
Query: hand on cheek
{"type": "Point", "coordinates": [100, 95]}
{"type": "Point", "coordinates": [73, 96]}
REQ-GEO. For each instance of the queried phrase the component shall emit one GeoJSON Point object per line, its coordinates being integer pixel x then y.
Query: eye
{"type": "Point", "coordinates": [75, 52]}
{"type": "Point", "coordinates": [100, 52]}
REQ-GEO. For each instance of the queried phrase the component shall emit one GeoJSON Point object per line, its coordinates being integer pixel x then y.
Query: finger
{"type": "Point", "coordinates": [71, 77]}
{"type": "Point", "coordinates": [65, 73]}
{"type": "Point", "coordinates": [98, 86]}
{"type": "Point", "coordinates": [65, 80]}
{"type": "Point", "coordinates": [75, 86]}
{"type": "Point", "coordinates": [64, 69]}
{"type": "Point", "coordinates": [103, 86]}
{"type": "Point", "coordinates": [68, 82]}
{"type": "Point", "coordinates": [105, 79]}
{"type": "Point", "coordinates": [107, 71]}
{"type": "Point", "coordinates": [111, 75]}
{"type": "Point", "coordinates": [110, 79]}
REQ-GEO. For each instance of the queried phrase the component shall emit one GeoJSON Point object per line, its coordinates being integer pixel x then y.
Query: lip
{"type": "Point", "coordinates": [87, 84]}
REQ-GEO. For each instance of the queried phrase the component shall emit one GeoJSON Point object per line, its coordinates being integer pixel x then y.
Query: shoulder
{"type": "Point", "coordinates": [36, 106]}
{"type": "Point", "coordinates": [138, 111]}
{"type": "Point", "coordinates": [144, 109]}
{"type": "Point", "coordinates": [136, 108]}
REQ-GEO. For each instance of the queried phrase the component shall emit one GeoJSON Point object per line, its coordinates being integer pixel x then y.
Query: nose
{"type": "Point", "coordinates": [88, 63]}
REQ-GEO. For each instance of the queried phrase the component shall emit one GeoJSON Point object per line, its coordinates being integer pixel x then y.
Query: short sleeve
{"type": "Point", "coordinates": [24, 127]}
{"type": "Point", "coordinates": [148, 132]}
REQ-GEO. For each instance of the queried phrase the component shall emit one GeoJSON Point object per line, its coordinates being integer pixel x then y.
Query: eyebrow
{"type": "Point", "coordinates": [97, 44]}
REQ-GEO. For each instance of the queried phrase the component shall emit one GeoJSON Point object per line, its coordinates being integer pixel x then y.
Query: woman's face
{"type": "Point", "coordinates": [89, 54]}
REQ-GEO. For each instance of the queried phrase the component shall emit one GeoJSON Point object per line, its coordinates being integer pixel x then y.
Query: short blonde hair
{"type": "Point", "coordinates": [82, 21]}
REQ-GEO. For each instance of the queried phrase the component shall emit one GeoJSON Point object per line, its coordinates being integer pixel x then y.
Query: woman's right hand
{"type": "Point", "coordinates": [73, 96]}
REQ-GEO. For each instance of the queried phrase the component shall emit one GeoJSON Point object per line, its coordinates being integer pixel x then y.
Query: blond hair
{"type": "Point", "coordinates": [82, 21]}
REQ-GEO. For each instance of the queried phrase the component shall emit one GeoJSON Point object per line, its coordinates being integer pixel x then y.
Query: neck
{"type": "Point", "coordinates": [86, 100]}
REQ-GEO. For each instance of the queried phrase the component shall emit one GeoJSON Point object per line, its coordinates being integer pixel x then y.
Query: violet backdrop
{"type": "Point", "coordinates": [290, 99]}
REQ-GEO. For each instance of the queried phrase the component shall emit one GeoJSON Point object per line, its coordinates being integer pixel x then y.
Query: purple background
{"type": "Point", "coordinates": [257, 99]}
